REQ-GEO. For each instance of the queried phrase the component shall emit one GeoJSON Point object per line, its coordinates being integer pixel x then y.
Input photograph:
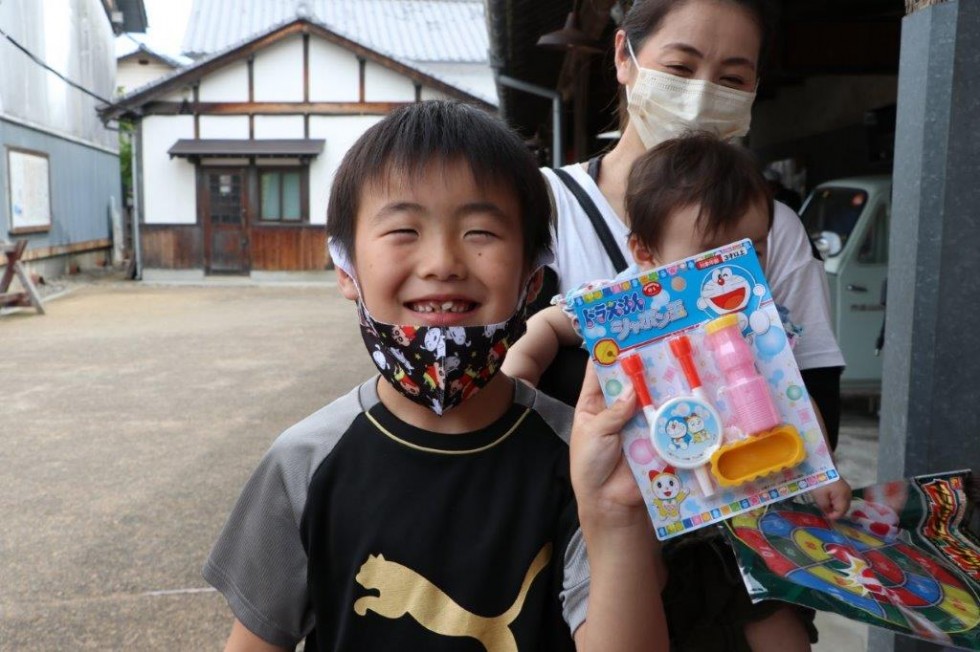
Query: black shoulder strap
{"type": "Point", "coordinates": [599, 224]}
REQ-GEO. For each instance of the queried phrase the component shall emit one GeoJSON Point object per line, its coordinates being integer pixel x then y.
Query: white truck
{"type": "Point", "coordinates": [848, 220]}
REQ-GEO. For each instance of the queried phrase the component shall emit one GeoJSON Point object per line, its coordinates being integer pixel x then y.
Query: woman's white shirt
{"type": "Point", "coordinates": [796, 278]}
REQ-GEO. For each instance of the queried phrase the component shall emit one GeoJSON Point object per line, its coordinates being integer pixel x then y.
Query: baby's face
{"type": "Point", "coordinates": [680, 239]}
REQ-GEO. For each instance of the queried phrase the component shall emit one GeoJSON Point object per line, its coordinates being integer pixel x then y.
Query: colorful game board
{"type": "Point", "coordinates": [886, 564]}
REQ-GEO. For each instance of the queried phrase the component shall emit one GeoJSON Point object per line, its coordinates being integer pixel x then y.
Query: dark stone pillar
{"type": "Point", "coordinates": [930, 412]}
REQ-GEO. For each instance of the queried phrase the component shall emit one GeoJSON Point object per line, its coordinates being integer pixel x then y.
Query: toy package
{"type": "Point", "coordinates": [726, 423]}
{"type": "Point", "coordinates": [906, 557]}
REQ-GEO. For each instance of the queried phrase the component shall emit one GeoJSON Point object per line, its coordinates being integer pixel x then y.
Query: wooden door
{"type": "Point", "coordinates": [226, 221]}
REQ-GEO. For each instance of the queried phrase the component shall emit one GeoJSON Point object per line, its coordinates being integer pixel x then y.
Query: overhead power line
{"type": "Point", "coordinates": [33, 57]}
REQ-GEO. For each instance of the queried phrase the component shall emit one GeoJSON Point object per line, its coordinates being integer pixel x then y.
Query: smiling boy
{"type": "Point", "coordinates": [437, 507]}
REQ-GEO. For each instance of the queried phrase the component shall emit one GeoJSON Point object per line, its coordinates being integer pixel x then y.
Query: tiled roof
{"type": "Point", "coordinates": [447, 31]}
{"type": "Point", "coordinates": [149, 90]}
{"type": "Point", "coordinates": [127, 48]}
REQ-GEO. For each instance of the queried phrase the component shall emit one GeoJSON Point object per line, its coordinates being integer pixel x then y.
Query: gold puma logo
{"type": "Point", "coordinates": [403, 591]}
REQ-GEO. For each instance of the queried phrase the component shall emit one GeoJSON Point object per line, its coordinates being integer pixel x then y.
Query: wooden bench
{"type": "Point", "coordinates": [29, 295]}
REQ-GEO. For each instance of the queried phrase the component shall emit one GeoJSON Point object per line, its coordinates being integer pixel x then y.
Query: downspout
{"type": "Point", "coordinates": [557, 155]}
{"type": "Point", "coordinates": [134, 175]}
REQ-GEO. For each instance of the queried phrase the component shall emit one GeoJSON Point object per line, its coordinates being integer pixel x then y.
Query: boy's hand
{"type": "Point", "coordinates": [604, 485]}
{"type": "Point", "coordinates": [833, 499]}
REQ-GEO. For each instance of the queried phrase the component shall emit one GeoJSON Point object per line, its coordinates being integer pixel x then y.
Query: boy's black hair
{"type": "Point", "coordinates": [698, 168]}
{"type": "Point", "coordinates": [412, 137]}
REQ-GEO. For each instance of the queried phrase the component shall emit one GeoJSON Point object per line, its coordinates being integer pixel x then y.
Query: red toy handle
{"type": "Point", "coordinates": [681, 348]}
{"type": "Point", "coordinates": [633, 366]}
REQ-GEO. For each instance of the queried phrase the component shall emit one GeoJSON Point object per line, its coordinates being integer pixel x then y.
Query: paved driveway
{"type": "Point", "coordinates": [131, 415]}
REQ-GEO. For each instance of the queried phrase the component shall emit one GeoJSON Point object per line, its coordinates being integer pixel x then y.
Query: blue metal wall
{"type": "Point", "coordinates": [83, 179]}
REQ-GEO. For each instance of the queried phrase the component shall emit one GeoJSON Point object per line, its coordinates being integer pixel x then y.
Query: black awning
{"type": "Point", "coordinates": [266, 148]}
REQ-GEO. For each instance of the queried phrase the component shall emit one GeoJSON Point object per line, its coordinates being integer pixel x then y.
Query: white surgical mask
{"type": "Point", "coordinates": [664, 106]}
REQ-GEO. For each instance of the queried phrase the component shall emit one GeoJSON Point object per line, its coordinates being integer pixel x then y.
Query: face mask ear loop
{"type": "Point", "coordinates": [343, 262]}
{"type": "Point", "coordinates": [629, 46]}
{"type": "Point", "coordinates": [636, 64]}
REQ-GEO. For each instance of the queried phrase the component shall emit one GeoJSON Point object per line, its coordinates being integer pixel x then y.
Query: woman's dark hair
{"type": "Point", "coordinates": [723, 178]}
{"type": "Point", "coordinates": [411, 138]}
{"type": "Point", "coordinates": [645, 17]}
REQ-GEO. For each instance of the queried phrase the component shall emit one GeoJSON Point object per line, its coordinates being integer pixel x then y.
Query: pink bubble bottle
{"type": "Point", "coordinates": [745, 389]}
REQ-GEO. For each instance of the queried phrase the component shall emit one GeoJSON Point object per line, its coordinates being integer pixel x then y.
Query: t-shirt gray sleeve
{"type": "Point", "coordinates": [574, 595]}
{"type": "Point", "coordinates": [258, 562]}
{"type": "Point", "coordinates": [575, 585]}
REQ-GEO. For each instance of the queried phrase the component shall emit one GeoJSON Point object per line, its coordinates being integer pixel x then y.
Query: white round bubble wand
{"type": "Point", "coordinates": [686, 430]}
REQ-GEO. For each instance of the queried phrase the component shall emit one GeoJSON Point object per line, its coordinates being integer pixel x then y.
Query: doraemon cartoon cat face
{"type": "Point", "coordinates": [726, 290]}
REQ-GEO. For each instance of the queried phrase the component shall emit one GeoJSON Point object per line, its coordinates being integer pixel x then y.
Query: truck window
{"type": "Point", "coordinates": [833, 209]}
{"type": "Point", "coordinates": [874, 247]}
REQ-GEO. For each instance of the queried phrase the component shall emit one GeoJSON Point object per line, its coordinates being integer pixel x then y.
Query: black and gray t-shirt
{"type": "Point", "coordinates": [384, 536]}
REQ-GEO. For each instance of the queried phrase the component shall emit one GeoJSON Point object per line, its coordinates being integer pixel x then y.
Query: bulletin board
{"type": "Point", "coordinates": [29, 182]}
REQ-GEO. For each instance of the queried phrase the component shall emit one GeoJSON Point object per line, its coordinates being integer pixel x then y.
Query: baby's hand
{"type": "Point", "coordinates": [833, 499]}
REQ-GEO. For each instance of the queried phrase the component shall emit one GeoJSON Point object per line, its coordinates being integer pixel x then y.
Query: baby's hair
{"type": "Point", "coordinates": [724, 179]}
{"type": "Point", "coordinates": [408, 140]}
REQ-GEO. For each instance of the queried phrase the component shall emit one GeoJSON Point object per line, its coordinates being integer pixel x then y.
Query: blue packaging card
{"type": "Point", "coordinates": [639, 314]}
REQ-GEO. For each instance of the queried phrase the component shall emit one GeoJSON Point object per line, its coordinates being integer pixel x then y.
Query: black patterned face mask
{"type": "Point", "coordinates": [439, 367]}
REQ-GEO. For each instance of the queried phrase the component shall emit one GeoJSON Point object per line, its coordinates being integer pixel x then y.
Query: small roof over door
{"type": "Point", "coordinates": [305, 148]}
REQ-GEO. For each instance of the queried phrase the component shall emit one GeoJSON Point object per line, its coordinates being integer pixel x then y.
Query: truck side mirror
{"type": "Point", "coordinates": [828, 244]}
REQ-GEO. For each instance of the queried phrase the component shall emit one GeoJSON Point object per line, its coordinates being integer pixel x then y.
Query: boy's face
{"type": "Point", "coordinates": [681, 239]}
{"type": "Point", "coordinates": [437, 251]}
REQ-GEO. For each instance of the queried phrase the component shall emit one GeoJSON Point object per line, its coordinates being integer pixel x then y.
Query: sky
{"type": "Point", "coordinates": [167, 21]}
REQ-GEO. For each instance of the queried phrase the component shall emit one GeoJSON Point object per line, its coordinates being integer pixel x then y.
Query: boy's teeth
{"type": "Point", "coordinates": [444, 306]}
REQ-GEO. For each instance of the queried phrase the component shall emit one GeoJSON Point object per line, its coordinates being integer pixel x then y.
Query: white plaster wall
{"type": "Point", "coordinates": [224, 126]}
{"type": "Point", "coordinates": [228, 84]}
{"type": "Point", "coordinates": [178, 96]}
{"type": "Point", "coordinates": [340, 132]}
{"type": "Point", "coordinates": [476, 78]}
{"type": "Point", "coordinates": [131, 75]}
{"type": "Point", "coordinates": [278, 72]}
{"type": "Point", "coordinates": [431, 94]}
{"type": "Point", "coordinates": [384, 85]}
{"type": "Point", "coordinates": [168, 185]}
{"type": "Point", "coordinates": [278, 126]}
{"type": "Point", "coordinates": [334, 73]}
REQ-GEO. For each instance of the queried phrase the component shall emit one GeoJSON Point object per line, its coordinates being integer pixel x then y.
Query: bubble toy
{"type": "Point", "coordinates": [685, 430]}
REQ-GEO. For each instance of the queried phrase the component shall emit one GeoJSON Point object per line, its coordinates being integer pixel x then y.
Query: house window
{"type": "Point", "coordinates": [282, 194]}
{"type": "Point", "coordinates": [28, 178]}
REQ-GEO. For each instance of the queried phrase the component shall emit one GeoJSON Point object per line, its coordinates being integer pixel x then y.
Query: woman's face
{"type": "Point", "coordinates": [713, 40]}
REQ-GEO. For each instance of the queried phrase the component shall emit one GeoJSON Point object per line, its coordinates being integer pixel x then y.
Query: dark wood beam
{"type": "Point", "coordinates": [306, 68]}
{"type": "Point", "coordinates": [251, 95]}
{"type": "Point", "coordinates": [361, 64]}
{"type": "Point", "coordinates": [275, 108]}
{"type": "Point", "coordinates": [197, 116]}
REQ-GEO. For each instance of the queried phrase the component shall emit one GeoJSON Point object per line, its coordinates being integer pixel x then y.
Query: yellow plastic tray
{"type": "Point", "coordinates": [754, 457]}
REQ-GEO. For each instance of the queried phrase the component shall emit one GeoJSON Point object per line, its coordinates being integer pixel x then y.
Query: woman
{"type": "Point", "coordinates": [694, 64]}
{"type": "Point", "coordinates": [691, 64]}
